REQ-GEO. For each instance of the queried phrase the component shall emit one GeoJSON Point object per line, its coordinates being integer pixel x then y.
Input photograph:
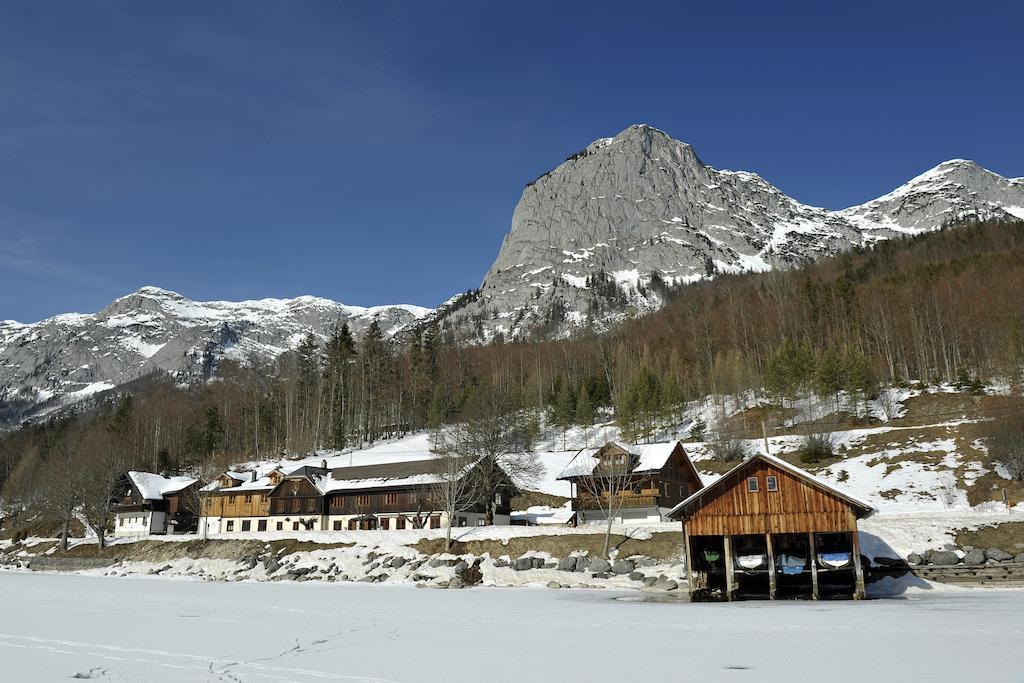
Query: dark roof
{"type": "Point", "coordinates": [392, 470]}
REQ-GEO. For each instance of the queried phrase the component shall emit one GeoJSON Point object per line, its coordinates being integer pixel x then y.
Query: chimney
{"type": "Point", "coordinates": [252, 476]}
{"type": "Point", "coordinates": [323, 464]}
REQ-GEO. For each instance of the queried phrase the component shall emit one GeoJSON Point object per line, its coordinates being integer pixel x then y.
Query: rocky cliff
{"type": "Point", "coordinates": [601, 236]}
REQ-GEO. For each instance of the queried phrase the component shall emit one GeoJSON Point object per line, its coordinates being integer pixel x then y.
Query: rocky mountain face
{"type": "Point", "coordinates": [603, 235]}
{"type": "Point", "coordinates": [69, 357]}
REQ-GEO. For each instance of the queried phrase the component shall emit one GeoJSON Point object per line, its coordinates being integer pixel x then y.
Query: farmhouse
{"type": "Point", "coordinates": [385, 496]}
{"type": "Point", "coordinates": [149, 503]}
{"type": "Point", "coordinates": [640, 482]}
{"type": "Point", "coordinates": [403, 495]}
{"type": "Point", "coordinates": [769, 529]}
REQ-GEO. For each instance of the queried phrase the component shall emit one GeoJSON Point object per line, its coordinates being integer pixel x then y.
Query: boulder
{"type": "Point", "coordinates": [601, 575]}
{"type": "Point", "coordinates": [460, 567]}
{"type": "Point", "coordinates": [645, 561]}
{"type": "Point", "coordinates": [582, 563]}
{"type": "Point", "coordinates": [997, 555]}
{"type": "Point", "coordinates": [435, 563]}
{"type": "Point", "coordinates": [974, 557]}
{"type": "Point", "coordinates": [1019, 558]}
{"type": "Point", "coordinates": [567, 564]}
{"type": "Point", "coordinates": [500, 562]}
{"type": "Point", "coordinates": [666, 585]}
{"type": "Point", "coordinates": [550, 565]}
{"type": "Point", "coordinates": [622, 566]}
{"type": "Point", "coordinates": [914, 558]}
{"type": "Point", "coordinates": [943, 558]}
{"type": "Point", "coordinates": [522, 564]}
{"type": "Point", "coordinates": [553, 584]}
{"type": "Point", "coordinates": [456, 583]}
{"type": "Point", "coordinates": [650, 581]}
{"type": "Point", "coordinates": [599, 565]}
{"type": "Point", "coordinates": [373, 566]}
{"type": "Point", "coordinates": [398, 562]}
{"type": "Point", "coordinates": [636, 576]}
{"type": "Point", "coordinates": [537, 562]}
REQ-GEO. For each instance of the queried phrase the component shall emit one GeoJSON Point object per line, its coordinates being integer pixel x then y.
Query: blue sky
{"type": "Point", "coordinates": [372, 152]}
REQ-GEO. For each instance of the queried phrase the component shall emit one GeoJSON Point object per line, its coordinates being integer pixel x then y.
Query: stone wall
{"type": "Point", "coordinates": [67, 564]}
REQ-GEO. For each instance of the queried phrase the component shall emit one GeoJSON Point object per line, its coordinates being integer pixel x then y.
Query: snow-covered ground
{"type": "Point", "coordinates": [55, 627]}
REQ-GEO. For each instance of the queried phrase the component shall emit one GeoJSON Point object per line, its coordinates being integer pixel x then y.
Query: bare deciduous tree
{"type": "Point", "coordinates": [102, 462]}
{"type": "Point", "coordinates": [603, 483]}
{"type": "Point", "coordinates": [497, 438]}
{"type": "Point", "coordinates": [455, 490]}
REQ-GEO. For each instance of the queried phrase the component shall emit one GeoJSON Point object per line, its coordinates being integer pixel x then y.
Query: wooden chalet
{"type": "Point", "coordinates": [238, 501]}
{"type": "Point", "coordinates": [769, 529]}
{"type": "Point", "coordinates": [648, 480]}
{"type": "Point", "coordinates": [148, 503]}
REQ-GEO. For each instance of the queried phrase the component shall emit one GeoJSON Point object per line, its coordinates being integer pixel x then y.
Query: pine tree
{"type": "Point", "coordinates": [828, 376]}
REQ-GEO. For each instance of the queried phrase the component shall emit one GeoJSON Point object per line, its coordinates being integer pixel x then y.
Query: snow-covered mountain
{"type": "Point", "coordinates": [69, 357]}
{"type": "Point", "coordinates": [590, 240]}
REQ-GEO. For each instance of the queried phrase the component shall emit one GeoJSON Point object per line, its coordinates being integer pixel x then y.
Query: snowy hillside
{"type": "Point", "coordinates": [589, 238]}
{"type": "Point", "coordinates": [68, 357]}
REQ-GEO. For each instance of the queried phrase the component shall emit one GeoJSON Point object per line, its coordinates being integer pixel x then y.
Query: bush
{"type": "Point", "coordinates": [728, 450]}
{"type": "Point", "coordinates": [816, 447]}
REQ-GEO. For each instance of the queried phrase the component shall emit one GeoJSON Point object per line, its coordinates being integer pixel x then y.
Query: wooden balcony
{"type": "Point", "coordinates": [626, 501]}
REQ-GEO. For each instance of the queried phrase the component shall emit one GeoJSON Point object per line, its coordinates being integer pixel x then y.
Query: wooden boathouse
{"type": "Point", "coordinates": [767, 528]}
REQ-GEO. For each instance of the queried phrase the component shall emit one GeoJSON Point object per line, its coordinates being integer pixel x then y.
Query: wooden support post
{"type": "Point", "coordinates": [771, 566]}
{"type": "Point", "coordinates": [812, 549]}
{"type": "Point", "coordinates": [858, 591]}
{"type": "Point", "coordinates": [730, 579]}
{"type": "Point", "coordinates": [689, 561]}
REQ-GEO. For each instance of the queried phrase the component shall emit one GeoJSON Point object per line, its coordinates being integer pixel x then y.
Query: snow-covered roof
{"type": "Point", "coordinates": [391, 475]}
{"type": "Point", "coordinates": [155, 487]}
{"type": "Point", "coordinates": [782, 465]}
{"type": "Point", "coordinates": [650, 457]}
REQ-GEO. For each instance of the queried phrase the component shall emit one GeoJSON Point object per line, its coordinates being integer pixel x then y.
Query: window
{"type": "Point", "coordinates": [391, 499]}
{"type": "Point", "coordinates": [231, 500]}
{"type": "Point", "coordinates": [362, 501]}
{"type": "Point", "coordinates": [295, 505]}
{"type": "Point", "coordinates": [246, 525]}
{"type": "Point", "coordinates": [481, 522]}
{"type": "Point", "coordinates": [772, 483]}
{"type": "Point", "coordinates": [351, 525]}
{"type": "Point", "coordinates": [337, 525]}
{"type": "Point", "coordinates": [280, 526]}
{"type": "Point", "coordinates": [385, 523]}
{"type": "Point", "coordinates": [248, 499]}
{"type": "Point", "coordinates": [295, 526]}
{"type": "Point", "coordinates": [752, 484]}
{"type": "Point", "coordinates": [311, 505]}
{"type": "Point", "coordinates": [400, 523]}
{"type": "Point", "coordinates": [231, 525]}
{"type": "Point", "coordinates": [497, 498]}
{"type": "Point", "coordinates": [462, 521]}
{"type": "Point", "coordinates": [435, 522]}
{"type": "Point", "coordinates": [261, 525]}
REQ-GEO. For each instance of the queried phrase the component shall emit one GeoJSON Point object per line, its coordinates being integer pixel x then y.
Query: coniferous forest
{"type": "Point", "coordinates": [942, 307]}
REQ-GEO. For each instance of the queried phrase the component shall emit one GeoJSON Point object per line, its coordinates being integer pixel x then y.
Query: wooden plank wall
{"type": "Point", "coordinates": [795, 508]}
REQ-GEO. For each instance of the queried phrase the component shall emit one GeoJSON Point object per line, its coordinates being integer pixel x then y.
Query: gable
{"type": "Point", "coordinates": [295, 488]}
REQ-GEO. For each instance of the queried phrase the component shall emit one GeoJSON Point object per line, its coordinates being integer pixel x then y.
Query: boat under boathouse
{"type": "Point", "coordinates": [770, 529]}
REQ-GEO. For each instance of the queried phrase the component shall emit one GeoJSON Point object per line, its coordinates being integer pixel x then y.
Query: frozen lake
{"type": "Point", "coordinates": [53, 627]}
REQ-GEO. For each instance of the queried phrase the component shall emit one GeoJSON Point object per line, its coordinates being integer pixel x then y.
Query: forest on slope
{"type": "Point", "coordinates": [941, 307]}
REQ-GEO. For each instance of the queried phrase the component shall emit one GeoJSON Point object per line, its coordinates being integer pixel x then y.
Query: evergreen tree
{"type": "Point", "coordinates": [828, 376]}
